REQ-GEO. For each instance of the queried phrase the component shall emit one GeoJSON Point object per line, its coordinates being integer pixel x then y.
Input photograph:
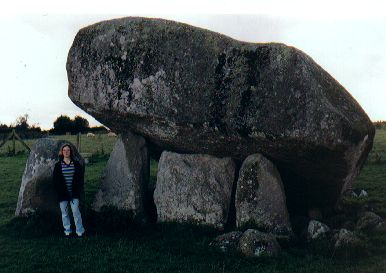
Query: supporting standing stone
{"type": "Point", "coordinates": [37, 189]}
{"type": "Point", "coordinates": [194, 188]}
{"type": "Point", "coordinates": [260, 197]}
{"type": "Point", "coordinates": [126, 176]}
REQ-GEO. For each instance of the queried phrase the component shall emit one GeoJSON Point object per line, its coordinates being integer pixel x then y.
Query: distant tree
{"type": "Point", "coordinates": [62, 125]}
{"type": "Point", "coordinates": [22, 123]}
{"type": "Point", "coordinates": [3, 127]}
{"type": "Point", "coordinates": [4, 131]}
{"type": "Point", "coordinates": [65, 124]}
{"type": "Point", "coordinates": [22, 127]}
{"type": "Point", "coordinates": [80, 125]}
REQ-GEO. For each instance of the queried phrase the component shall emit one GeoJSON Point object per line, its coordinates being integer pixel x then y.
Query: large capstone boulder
{"type": "Point", "coordinates": [37, 192]}
{"type": "Point", "coordinates": [190, 90]}
{"type": "Point", "coordinates": [260, 197]}
{"type": "Point", "coordinates": [194, 188]}
{"type": "Point", "coordinates": [126, 176]}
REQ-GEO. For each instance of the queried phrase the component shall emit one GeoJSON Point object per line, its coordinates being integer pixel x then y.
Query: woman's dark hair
{"type": "Point", "coordinates": [61, 151]}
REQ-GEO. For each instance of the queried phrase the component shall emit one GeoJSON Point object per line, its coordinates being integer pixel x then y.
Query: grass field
{"type": "Point", "coordinates": [37, 245]}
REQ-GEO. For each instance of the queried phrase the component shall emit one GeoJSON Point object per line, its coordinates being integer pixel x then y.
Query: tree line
{"type": "Point", "coordinates": [65, 125]}
{"type": "Point", "coordinates": [62, 125]}
{"type": "Point", "coordinates": [381, 124]}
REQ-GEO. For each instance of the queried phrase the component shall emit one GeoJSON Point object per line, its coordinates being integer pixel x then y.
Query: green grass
{"type": "Point", "coordinates": [373, 175]}
{"type": "Point", "coordinates": [379, 147]}
{"type": "Point", "coordinates": [35, 246]}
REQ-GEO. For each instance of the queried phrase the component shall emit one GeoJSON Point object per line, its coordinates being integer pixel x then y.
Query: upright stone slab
{"type": "Point", "coordinates": [194, 188]}
{"type": "Point", "coordinates": [260, 197]}
{"type": "Point", "coordinates": [37, 190]}
{"type": "Point", "coordinates": [126, 176]}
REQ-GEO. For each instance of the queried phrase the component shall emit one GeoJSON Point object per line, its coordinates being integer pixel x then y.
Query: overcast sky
{"type": "Point", "coordinates": [348, 42]}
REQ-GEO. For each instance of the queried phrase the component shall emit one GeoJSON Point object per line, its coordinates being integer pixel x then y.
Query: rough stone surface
{"type": "Point", "coordinates": [260, 197]}
{"type": "Point", "coordinates": [370, 221]}
{"type": "Point", "coordinates": [347, 239]}
{"type": "Point", "coordinates": [363, 194]}
{"type": "Point", "coordinates": [190, 90]}
{"type": "Point", "coordinates": [126, 176]}
{"type": "Point", "coordinates": [194, 188]}
{"type": "Point", "coordinates": [227, 242]}
{"type": "Point", "coordinates": [316, 230]}
{"type": "Point", "coordinates": [254, 243]}
{"type": "Point", "coordinates": [37, 190]}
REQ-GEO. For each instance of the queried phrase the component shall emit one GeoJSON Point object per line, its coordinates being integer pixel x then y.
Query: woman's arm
{"type": "Point", "coordinates": [55, 179]}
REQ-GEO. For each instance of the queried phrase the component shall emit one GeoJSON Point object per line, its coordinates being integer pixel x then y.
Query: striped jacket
{"type": "Point", "coordinates": [60, 183]}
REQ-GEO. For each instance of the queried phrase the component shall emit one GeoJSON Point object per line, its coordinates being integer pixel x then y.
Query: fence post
{"type": "Point", "coordinates": [21, 141]}
{"type": "Point", "coordinates": [5, 140]}
{"type": "Point", "coordinates": [78, 142]}
{"type": "Point", "coordinates": [13, 136]}
{"type": "Point", "coordinates": [13, 142]}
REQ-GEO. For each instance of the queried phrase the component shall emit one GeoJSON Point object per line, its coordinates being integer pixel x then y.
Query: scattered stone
{"type": "Point", "coordinates": [347, 239]}
{"type": "Point", "coordinates": [260, 198]}
{"type": "Point", "coordinates": [227, 242]}
{"type": "Point", "coordinates": [363, 194]}
{"type": "Point", "coordinates": [350, 245]}
{"type": "Point", "coordinates": [317, 230]}
{"type": "Point", "coordinates": [126, 176]}
{"type": "Point", "coordinates": [254, 243]}
{"type": "Point", "coordinates": [369, 221]}
{"type": "Point", "coordinates": [37, 190]}
{"type": "Point", "coordinates": [194, 188]}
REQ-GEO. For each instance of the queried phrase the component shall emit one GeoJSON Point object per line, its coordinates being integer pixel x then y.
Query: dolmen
{"type": "Point", "coordinates": [255, 130]}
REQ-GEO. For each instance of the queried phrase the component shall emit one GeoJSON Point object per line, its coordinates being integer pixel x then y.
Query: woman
{"type": "Point", "coordinates": [68, 179]}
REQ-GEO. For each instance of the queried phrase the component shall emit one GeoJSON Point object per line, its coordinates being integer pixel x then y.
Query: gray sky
{"type": "Point", "coordinates": [349, 44]}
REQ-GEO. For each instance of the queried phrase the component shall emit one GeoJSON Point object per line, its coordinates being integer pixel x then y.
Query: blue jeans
{"type": "Point", "coordinates": [74, 203]}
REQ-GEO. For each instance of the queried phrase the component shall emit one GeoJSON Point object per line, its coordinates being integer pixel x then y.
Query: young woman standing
{"type": "Point", "coordinates": [68, 179]}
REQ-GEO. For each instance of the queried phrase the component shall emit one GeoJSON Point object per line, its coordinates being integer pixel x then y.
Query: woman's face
{"type": "Point", "coordinates": [66, 152]}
